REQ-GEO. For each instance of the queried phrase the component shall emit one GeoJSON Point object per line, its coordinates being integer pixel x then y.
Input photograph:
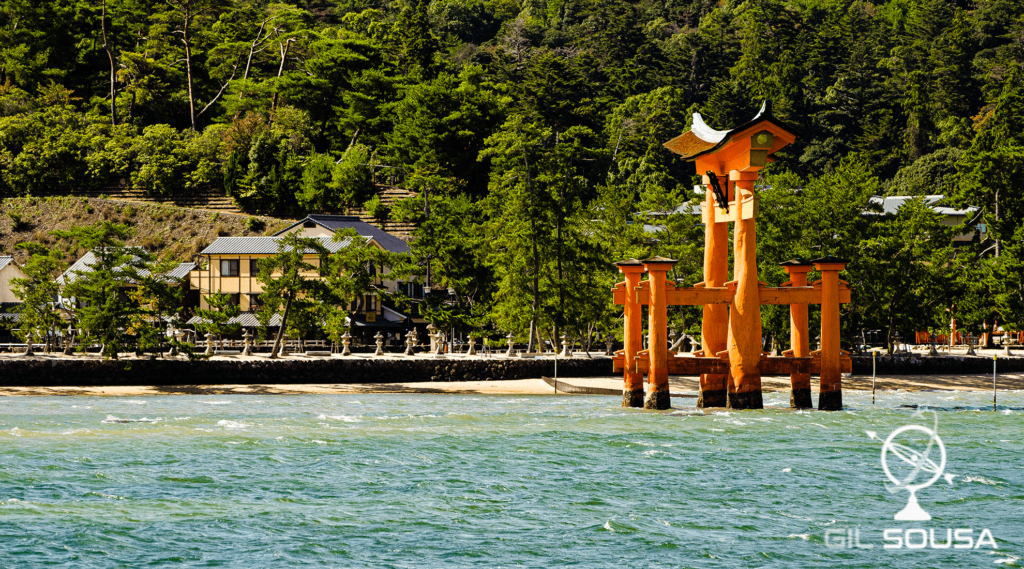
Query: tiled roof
{"type": "Point", "coordinates": [85, 263]}
{"type": "Point", "coordinates": [5, 260]}
{"type": "Point", "coordinates": [181, 271]}
{"type": "Point", "coordinates": [339, 222]}
{"type": "Point", "coordinates": [246, 319]}
{"type": "Point", "coordinates": [9, 311]}
{"type": "Point", "coordinates": [263, 245]}
{"type": "Point", "coordinates": [892, 204]}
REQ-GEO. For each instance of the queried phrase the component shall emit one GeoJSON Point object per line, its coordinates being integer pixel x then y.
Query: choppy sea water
{"type": "Point", "coordinates": [491, 481]}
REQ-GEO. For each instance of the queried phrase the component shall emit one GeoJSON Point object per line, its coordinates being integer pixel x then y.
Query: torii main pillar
{"type": "Point", "coordinates": [745, 311]}
{"type": "Point", "coordinates": [733, 158]}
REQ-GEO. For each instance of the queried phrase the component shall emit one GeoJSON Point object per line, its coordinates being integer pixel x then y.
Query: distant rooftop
{"type": "Point", "coordinates": [338, 222]}
{"type": "Point", "coordinates": [85, 263]}
{"type": "Point", "coordinates": [892, 204]}
{"type": "Point", "coordinates": [5, 260]}
{"type": "Point", "coordinates": [265, 245]}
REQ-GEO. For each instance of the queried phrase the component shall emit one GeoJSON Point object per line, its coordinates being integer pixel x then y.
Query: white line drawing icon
{"type": "Point", "coordinates": [919, 460]}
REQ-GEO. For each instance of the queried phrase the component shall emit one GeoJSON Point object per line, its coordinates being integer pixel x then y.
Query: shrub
{"type": "Point", "coordinates": [18, 223]}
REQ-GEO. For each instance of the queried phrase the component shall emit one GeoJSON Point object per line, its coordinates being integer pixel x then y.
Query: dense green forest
{"type": "Point", "coordinates": [533, 132]}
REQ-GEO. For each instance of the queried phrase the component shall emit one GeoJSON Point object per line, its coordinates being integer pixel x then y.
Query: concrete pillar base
{"type": "Point", "coordinates": [830, 401]}
{"type": "Point", "coordinates": [800, 398]}
{"type": "Point", "coordinates": [658, 400]}
{"type": "Point", "coordinates": [748, 400]}
{"type": "Point", "coordinates": [633, 397]}
{"type": "Point", "coordinates": [712, 398]}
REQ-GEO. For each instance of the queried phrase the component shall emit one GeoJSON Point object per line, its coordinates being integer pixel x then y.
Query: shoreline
{"type": "Point", "coordinates": [681, 386]}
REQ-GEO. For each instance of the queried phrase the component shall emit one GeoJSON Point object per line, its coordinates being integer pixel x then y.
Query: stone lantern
{"type": "Point", "coordinates": [346, 339]}
{"type": "Point", "coordinates": [410, 342]}
{"type": "Point", "coordinates": [472, 347]}
{"type": "Point", "coordinates": [209, 344]}
{"type": "Point", "coordinates": [565, 346]}
{"type": "Point", "coordinates": [69, 341]}
{"type": "Point", "coordinates": [511, 343]}
{"type": "Point", "coordinates": [174, 349]}
{"type": "Point", "coordinates": [380, 344]}
{"type": "Point", "coordinates": [247, 338]}
{"type": "Point", "coordinates": [28, 345]}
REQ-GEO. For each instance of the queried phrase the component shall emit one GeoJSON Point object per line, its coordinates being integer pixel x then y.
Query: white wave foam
{"type": "Point", "coordinates": [113, 419]}
{"type": "Point", "coordinates": [608, 526]}
{"type": "Point", "coordinates": [787, 469]}
{"type": "Point", "coordinates": [81, 407]}
{"type": "Point", "coordinates": [980, 479]}
{"type": "Point", "coordinates": [1008, 559]}
{"type": "Point", "coordinates": [76, 431]}
{"type": "Point", "coordinates": [233, 424]}
{"type": "Point", "coordinates": [318, 442]}
{"type": "Point", "coordinates": [803, 536]}
{"type": "Point", "coordinates": [133, 401]}
{"type": "Point", "coordinates": [108, 496]}
{"type": "Point", "coordinates": [15, 432]}
{"type": "Point", "coordinates": [217, 402]}
{"type": "Point", "coordinates": [345, 418]}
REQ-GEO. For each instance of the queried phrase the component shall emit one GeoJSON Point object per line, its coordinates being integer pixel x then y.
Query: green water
{"type": "Point", "coordinates": [489, 481]}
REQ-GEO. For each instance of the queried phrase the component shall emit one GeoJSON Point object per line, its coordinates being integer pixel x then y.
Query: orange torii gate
{"type": "Point", "coordinates": [730, 363]}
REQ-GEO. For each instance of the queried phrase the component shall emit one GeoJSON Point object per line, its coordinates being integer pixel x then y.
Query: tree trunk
{"type": "Point", "coordinates": [188, 68]}
{"type": "Point", "coordinates": [113, 66]}
{"type": "Point", "coordinates": [535, 308]}
{"type": "Point", "coordinates": [283, 48]}
{"type": "Point", "coordinates": [280, 331]}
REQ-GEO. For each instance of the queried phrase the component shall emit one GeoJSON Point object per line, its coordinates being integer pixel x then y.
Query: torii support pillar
{"type": "Point", "coordinates": [657, 313]}
{"type": "Point", "coordinates": [633, 381]}
{"type": "Point", "coordinates": [830, 397]}
{"type": "Point", "coordinates": [715, 318]}
{"type": "Point", "coordinates": [745, 312]}
{"type": "Point", "coordinates": [800, 340]}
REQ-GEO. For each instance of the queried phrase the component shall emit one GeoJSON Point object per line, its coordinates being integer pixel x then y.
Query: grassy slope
{"type": "Point", "coordinates": [172, 232]}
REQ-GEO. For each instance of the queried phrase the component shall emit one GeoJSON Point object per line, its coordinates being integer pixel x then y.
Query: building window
{"type": "Point", "coordinates": [414, 290]}
{"type": "Point", "coordinates": [254, 302]}
{"type": "Point", "coordinates": [229, 268]}
{"type": "Point", "coordinates": [234, 299]}
{"type": "Point", "coordinates": [371, 303]}
{"type": "Point", "coordinates": [254, 267]}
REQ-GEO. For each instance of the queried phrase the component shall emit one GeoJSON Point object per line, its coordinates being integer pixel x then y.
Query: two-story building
{"type": "Point", "coordinates": [229, 265]}
{"type": "Point", "coordinates": [9, 301]}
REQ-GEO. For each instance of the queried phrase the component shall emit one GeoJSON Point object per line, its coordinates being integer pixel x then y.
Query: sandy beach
{"type": "Point", "coordinates": [680, 386]}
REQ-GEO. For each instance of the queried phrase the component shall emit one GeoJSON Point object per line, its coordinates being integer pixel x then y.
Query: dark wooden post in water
{"type": "Point", "coordinates": [800, 339]}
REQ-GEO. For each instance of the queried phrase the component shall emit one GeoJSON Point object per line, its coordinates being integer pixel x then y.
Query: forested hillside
{"type": "Point", "coordinates": [533, 132]}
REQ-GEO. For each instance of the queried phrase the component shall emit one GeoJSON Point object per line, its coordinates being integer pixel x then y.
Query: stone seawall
{"type": "Point", "coordinates": [936, 365]}
{"type": "Point", "coordinates": [79, 372]}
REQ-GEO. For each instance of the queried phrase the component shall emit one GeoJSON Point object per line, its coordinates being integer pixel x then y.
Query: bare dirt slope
{"type": "Point", "coordinates": [171, 231]}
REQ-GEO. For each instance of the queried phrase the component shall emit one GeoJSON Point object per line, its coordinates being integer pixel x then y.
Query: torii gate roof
{"type": "Point", "coordinates": [702, 139]}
